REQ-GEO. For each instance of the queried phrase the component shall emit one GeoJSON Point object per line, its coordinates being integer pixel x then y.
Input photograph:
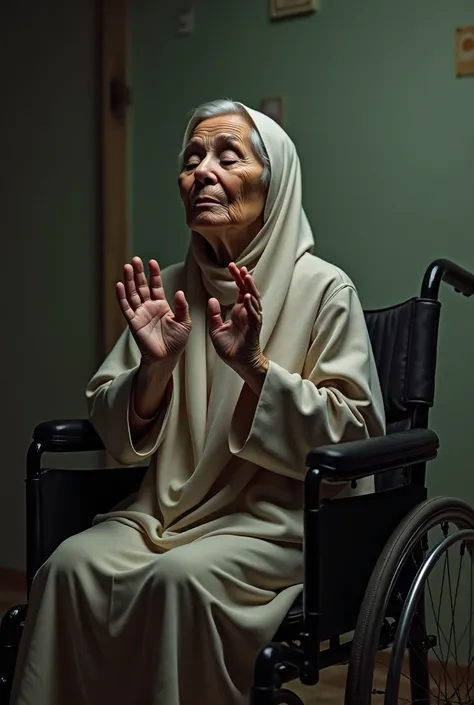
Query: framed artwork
{"type": "Point", "coordinates": [289, 8]}
{"type": "Point", "coordinates": [465, 51]}
{"type": "Point", "coordinates": [273, 107]}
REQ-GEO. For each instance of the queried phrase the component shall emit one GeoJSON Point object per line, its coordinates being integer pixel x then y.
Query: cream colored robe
{"type": "Point", "coordinates": [167, 600]}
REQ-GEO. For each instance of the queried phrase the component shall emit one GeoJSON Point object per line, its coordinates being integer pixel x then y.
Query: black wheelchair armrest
{"type": "Point", "coordinates": [67, 436]}
{"type": "Point", "coordinates": [370, 456]}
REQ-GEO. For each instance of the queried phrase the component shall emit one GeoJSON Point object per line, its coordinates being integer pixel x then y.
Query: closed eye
{"type": "Point", "coordinates": [228, 157]}
{"type": "Point", "coordinates": [190, 166]}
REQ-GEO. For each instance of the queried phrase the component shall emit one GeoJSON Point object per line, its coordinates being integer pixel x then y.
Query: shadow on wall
{"type": "Point", "coordinates": [49, 208]}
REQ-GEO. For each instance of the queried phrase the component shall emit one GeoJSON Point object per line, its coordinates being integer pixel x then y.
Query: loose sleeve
{"type": "Point", "coordinates": [108, 397]}
{"type": "Point", "coordinates": [336, 398]}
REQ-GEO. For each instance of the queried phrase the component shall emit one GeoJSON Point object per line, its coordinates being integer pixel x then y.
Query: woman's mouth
{"type": "Point", "coordinates": [205, 202]}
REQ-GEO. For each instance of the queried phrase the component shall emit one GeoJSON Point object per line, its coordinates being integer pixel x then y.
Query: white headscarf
{"type": "Point", "coordinates": [270, 259]}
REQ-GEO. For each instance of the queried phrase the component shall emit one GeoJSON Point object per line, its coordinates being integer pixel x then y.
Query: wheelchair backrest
{"type": "Point", "coordinates": [404, 340]}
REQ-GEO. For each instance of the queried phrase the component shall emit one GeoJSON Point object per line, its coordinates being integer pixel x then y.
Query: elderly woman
{"type": "Point", "coordinates": [262, 354]}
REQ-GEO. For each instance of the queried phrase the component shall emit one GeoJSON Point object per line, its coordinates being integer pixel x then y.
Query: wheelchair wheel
{"type": "Point", "coordinates": [452, 684]}
{"type": "Point", "coordinates": [429, 524]}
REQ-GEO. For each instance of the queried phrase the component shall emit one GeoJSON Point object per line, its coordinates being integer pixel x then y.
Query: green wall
{"type": "Point", "coordinates": [385, 135]}
{"type": "Point", "coordinates": [49, 232]}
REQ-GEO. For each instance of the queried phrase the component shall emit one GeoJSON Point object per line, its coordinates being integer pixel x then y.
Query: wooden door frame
{"type": "Point", "coordinates": [114, 149]}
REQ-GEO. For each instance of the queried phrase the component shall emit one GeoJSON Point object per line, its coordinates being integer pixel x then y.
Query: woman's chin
{"type": "Point", "coordinates": [206, 221]}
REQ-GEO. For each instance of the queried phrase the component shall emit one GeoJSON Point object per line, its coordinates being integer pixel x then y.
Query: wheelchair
{"type": "Point", "coordinates": [372, 563]}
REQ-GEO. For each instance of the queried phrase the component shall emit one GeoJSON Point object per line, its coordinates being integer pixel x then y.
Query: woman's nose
{"type": "Point", "coordinates": [204, 173]}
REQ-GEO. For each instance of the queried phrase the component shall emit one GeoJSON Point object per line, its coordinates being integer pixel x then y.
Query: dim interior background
{"type": "Point", "coordinates": [385, 134]}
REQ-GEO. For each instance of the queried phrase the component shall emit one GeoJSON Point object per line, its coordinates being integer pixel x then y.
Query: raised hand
{"type": "Point", "coordinates": [159, 333]}
{"type": "Point", "coordinates": [237, 341]}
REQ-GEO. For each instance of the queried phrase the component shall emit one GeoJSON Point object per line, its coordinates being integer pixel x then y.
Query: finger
{"type": "Point", "coordinates": [141, 284]}
{"type": "Point", "coordinates": [181, 308]}
{"type": "Point", "coordinates": [130, 289]}
{"type": "Point", "coordinates": [255, 297]}
{"type": "Point", "coordinates": [214, 316]}
{"type": "Point", "coordinates": [252, 289]}
{"type": "Point", "coordinates": [257, 304]}
{"type": "Point", "coordinates": [242, 318]}
{"type": "Point", "coordinates": [156, 285]}
{"type": "Point", "coordinates": [252, 311]}
{"type": "Point", "coordinates": [123, 303]}
{"type": "Point", "coordinates": [235, 271]}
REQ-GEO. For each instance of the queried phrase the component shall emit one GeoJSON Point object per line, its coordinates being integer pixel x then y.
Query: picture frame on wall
{"type": "Point", "coordinates": [465, 51]}
{"type": "Point", "coordinates": [273, 107]}
{"type": "Point", "coordinates": [280, 9]}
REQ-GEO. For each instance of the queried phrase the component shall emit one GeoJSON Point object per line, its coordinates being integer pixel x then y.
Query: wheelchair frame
{"type": "Point", "coordinates": [278, 663]}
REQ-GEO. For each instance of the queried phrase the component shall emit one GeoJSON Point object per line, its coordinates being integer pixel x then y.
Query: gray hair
{"type": "Point", "coordinates": [224, 106]}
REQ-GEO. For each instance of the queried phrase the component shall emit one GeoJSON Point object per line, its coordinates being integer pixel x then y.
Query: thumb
{"type": "Point", "coordinates": [214, 315]}
{"type": "Point", "coordinates": [181, 308]}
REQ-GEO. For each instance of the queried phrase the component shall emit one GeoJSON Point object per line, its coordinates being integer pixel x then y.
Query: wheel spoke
{"type": "Point", "coordinates": [470, 631]}
{"type": "Point", "coordinates": [418, 576]}
{"type": "Point", "coordinates": [439, 629]}
{"type": "Point", "coordinates": [451, 685]}
{"type": "Point", "coordinates": [468, 669]}
{"type": "Point", "coordinates": [432, 678]}
{"type": "Point", "coordinates": [410, 680]}
{"type": "Point", "coordinates": [462, 676]}
{"type": "Point", "coordinates": [438, 625]}
{"type": "Point", "coordinates": [438, 684]}
{"type": "Point", "coordinates": [452, 631]}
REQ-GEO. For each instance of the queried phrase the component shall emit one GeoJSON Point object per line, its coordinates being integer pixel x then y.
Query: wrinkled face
{"type": "Point", "coordinates": [220, 181]}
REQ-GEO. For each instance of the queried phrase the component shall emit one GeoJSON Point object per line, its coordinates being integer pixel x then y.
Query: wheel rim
{"type": "Point", "coordinates": [378, 619]}
{"type": "Point", "coordinates": [449, 635]}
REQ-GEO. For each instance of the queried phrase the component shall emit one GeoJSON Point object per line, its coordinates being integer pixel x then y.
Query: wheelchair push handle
{"type": "Point", "coordinates": [443, 270]}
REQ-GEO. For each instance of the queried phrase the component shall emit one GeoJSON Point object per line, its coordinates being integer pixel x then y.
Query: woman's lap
{"type": "Point", "coordinates": [112, 548]}
{"type": "Point", "coordinates": [123, 606]}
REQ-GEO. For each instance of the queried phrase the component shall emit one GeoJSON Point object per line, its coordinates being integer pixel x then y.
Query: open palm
{"type": "Point", "coordinates": [158, 332]}
{"type": "Point", "coordinates": [237, 341]}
